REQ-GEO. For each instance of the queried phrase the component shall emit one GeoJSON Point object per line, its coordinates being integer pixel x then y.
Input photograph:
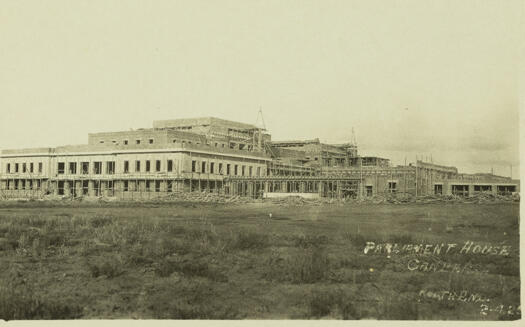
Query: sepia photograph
{"type": "Point", "coordinates": [256, 160]}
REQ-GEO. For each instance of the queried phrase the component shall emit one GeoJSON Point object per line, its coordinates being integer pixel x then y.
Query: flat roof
{"type": "Point", "coordinates": [174, 123]}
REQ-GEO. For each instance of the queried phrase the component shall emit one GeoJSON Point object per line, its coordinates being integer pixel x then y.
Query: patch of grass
{"type": "Point", "coordinates": [403, 238]}
{"type": "Point", "coordinates": [306, 241]}
{"type": "Point", "coordinates": [100, 221]}
{"type": "Point", "coordinates": [358, 240]}
{"type": "Point", "coordinates": [111, 266]}
{"type": "Point", "coordinates": [337, 304]}
{"type": "Point", "coordinates": [21, 302]}
{"type": "Point", "coordinates": [248, 240]}
{"type": "Point", "coordinates": [304, 267]}
{"type": "Point", "coordinates": [190, 269]}
{"type": "Point", "coordinates": [210, 262]}
{"type": "Point", "coordinates": [194, 299]}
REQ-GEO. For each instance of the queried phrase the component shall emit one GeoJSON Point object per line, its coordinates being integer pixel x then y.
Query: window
{"type": "Point", "coordinates": [96, 186]}
{"type": "Point", "coordinates": [24, 167]}
{"type": "Point", "coordinates": [61, 168]}
{"type": "Point", "coordinates": [31, 167]}
{"type": "Point", "coordinates": [222, 145]}
{"type": "Point", "coordinates": [212, 167]}
{"type": "Point", "coordinates": [169, 186]}
{"type": "Point", "coordinates": [461, 190]}
{"type": "Point", "coordinates": [110, 188]}
{"type": "Point", "coordinates": [170, 166]}
{"type": "Point", "coordinates": [72, 168]}
{"type": "Point", "coordinates": [236, 170]}
{"type": "Point", "coordinates": [85, 187]}
{"type": "Point", "coordinates": [258, 171]}
{"type": "Point", "coordinates": [39, 167]}
{"type": "Point", "coordinates": [101, 142]}
{"type": "Point", "coordinates": [110, 167]}
{"type": "Point", "coordinates": [392, 187]}
{"type": "Point", "coordinates": [203, 167]}
{"type": "Point", "coordinates": [126, 186]}
{"type": "Point", "coordinates": [438, 189]}
{"type": "Point", "coordinates": [148, 166]}
{"type": "Point", "coordinates": [150, 141]}
{"type": "Point", "coordinates": [157, 186]}
{"type": "Point", "coordinates": [251, 171]}
{"type": "Point", "coordinates": [479, 188]}
{"type": "Point", "coordinates": [216, 144]}
{"type": "Point", "coordinates": [85, 168]}
{"type": "Point", "coordinates": [174, 141]}
{"type": "Point", "coordinates": [37, 184]}
{"type": "Point", "coordinates": [220, 169]}
{"type": "Point", "coordinates": [125, 142]}
{"type": "Point", "coordinates": [369, 190]}
{"type": "Point", "coordinates": [505, 189]}
{"type": "Point", "coordinates": [8, 168]}
{"type": "Point", "coordinates": [137, 141]}
{"type": "Point", "coordinates": [97, 167]}
{"type": "Point", "coordinates": [157, 165]}
{"type": "Point", "coordinates": [148, 186]}
{"type": "Point", "coordinates": [60, 187]}
{"type": "Point", "coordinates": [243, 170]}
{"type": "Point", "coordinates": [16, 167]}
{"type": "Point", "coordinates": [193, 166]}
{"type": "Point", "coordinates": [126, 167]}
{"type": "Point", "coordinates": [137, 166]}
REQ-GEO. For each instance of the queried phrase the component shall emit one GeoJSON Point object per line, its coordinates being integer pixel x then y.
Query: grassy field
{"type": "Point", "coordinates": [216, 261]}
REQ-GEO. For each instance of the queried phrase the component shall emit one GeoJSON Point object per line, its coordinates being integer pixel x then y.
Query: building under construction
{"type": "Point", "coordinates": [226, 157]}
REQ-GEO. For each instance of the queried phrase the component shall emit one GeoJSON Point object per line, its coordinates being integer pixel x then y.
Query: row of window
{"type": "Point", "coordinates": [23, 168]}
{"type": "Point", "coordinates": [217, 145]}
{"type": "Point", "coordinates": [21, 184]}
{"type": "Point", "coordinates": [126, 142]}
{"type": "Point", "coordinates": [96, 168]}
{"type": "Point", "coordinates": [243, 171]}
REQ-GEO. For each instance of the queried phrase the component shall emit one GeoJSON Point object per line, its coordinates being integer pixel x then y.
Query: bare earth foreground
{"type": "Point", "coordinates": [230, 261]}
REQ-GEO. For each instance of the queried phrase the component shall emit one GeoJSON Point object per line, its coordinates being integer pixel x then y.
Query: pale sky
{"type": "Point", "coordinates": [413, 78]}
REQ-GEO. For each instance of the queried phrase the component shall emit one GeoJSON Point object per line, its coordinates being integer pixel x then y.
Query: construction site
{"type": "Point", "coordinates": [217, 156]}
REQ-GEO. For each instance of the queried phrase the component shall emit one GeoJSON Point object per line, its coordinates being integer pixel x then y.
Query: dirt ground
{"type": "Point", "coordinates": [233, 261]}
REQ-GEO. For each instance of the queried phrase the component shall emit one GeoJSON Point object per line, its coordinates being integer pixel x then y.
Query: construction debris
{"type": "Point", "coordinates": [207, 197]}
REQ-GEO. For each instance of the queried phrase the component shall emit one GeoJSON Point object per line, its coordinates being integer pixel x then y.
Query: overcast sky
{"type": "Point", "coordinates": [413, 78]}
